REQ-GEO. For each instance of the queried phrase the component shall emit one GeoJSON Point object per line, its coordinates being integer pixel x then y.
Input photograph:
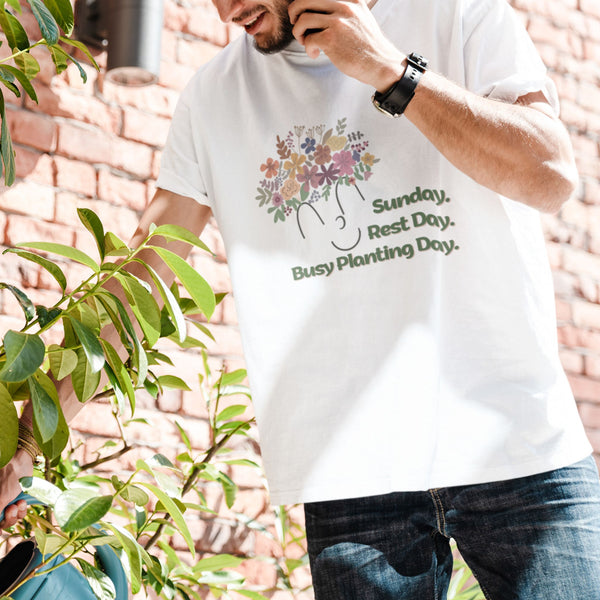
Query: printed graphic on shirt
{"type": "Point", "coordinates": [318, 173]}
{"type": "Point", "coordinates": [311, 164]}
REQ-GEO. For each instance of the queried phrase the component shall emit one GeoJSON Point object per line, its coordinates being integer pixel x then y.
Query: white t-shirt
{"type": "Point", "coordinates": [398, 319]}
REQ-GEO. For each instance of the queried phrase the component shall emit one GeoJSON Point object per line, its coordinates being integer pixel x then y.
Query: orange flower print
{"type": "Point", "coordinates": [294, 164]}
{"type": "Point", "coordinates": [368, 159]}
{"type": "Point", "coordinates": [271, 167]}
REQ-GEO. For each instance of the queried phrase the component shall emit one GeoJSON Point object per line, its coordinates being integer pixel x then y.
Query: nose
{"type": "Point", "coordinates": [228, 9]}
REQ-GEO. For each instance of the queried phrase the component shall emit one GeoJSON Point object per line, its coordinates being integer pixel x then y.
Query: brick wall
{"type": "Point", "coordinates": [98, 145]}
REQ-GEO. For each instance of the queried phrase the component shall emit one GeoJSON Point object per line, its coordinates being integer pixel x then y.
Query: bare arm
{"type": "Point", "coordinates": [519, 150]}
{"type": "Point", "coordinates": [165, 208]}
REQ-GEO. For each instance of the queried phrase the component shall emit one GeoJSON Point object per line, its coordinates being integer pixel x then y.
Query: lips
{"type": "Point", "coordinates": [253, 25]}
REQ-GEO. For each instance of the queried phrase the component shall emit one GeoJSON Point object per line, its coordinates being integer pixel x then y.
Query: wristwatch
{"type": "Point", "coordinates": [394, 101]}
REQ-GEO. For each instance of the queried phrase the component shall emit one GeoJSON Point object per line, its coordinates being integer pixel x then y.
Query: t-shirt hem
{"type": "Point", "coordinates": [439, 478]}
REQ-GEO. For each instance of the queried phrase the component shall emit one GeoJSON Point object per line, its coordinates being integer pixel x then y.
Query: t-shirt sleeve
{"type": "Point", "coordinates": [180, 170]}
{"type": "Point", "coordinates": [500, 58]}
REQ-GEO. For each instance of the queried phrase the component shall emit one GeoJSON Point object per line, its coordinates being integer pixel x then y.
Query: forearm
{"type": "Point", "coordinates": [513, 149]}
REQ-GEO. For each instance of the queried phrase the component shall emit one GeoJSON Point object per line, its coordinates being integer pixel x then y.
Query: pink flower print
{"type": "Point", "coordinates": [352, 180]}
{"type": "Point", "coordinates": [309, 177]}
{"type": "Point", "coordinates": [271, 167]}
{"type": "Point", "coordinates": [322, 154]}
{"type": "Point", "coordinates": [344, 162]}
{"type": "Point", "coordinates": [328, 174]}
{"type": "Point", "coordinates": [368, 175]}
{"type": "Point", "coordinates": [294, 164]}
{"type": "Point", "coordinates": [277, 199]}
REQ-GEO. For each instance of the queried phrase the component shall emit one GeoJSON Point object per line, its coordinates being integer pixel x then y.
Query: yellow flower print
{"type": "Point", "coordinates": [337, 142]}
{"type": "Point", "coordinates": [368, 159]}
{"type": "Point", "coordinates": [290, 188]}
{"type": "Point", "coordinates": [294, 164]}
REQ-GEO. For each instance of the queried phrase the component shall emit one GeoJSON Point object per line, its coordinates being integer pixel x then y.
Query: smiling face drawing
{"type": "Point", "coordinates": [313, 169]}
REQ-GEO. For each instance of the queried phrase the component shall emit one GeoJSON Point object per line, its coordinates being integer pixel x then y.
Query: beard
{"type": "Point", "coordinates": [281, 38]}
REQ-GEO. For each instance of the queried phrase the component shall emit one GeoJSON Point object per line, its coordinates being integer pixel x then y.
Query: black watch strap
{"type": "Point", "coordinates": [394, 101]}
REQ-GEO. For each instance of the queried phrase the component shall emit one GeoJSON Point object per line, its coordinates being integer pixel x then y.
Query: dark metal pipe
{"type": "Point", "coordinates": [134, 41]}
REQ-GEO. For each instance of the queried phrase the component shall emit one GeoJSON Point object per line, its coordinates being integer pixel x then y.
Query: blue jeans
{"type": "Point", "coordinates": [532, 538]}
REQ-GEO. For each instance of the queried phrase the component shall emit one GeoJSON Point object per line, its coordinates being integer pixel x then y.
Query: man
{"type": "Point", "coordinates": [394, 297]}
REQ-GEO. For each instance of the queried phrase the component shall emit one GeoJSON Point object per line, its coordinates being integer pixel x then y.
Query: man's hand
{"type": "Point", "coordinates": [347, 32]}
{"type": "Point", "coordinates": [21, 465]}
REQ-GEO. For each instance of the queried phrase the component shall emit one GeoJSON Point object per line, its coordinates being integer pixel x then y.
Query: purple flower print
{"type": "Point", "coordinates": [309, 145]}
{"type": "Point", "coordinates": [309, 177]}
{"type": "Point", "coordinates": [328, 175]}
{"type": "Point", "coordinates": [344, 162]}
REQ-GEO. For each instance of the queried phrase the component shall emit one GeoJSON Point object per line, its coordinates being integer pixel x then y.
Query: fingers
{"type": "Point", "coordinates": [13, 514]}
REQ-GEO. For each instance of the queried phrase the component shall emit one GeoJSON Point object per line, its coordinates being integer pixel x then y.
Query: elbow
{"type": "Point", "coordinates": [550, 185]}
{"type": "Point", "coordinates": [559, 183]}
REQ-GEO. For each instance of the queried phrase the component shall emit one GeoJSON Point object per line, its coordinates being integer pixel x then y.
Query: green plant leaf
{"type": "Point", "coordinates": [41, 489]}
{"type": "Point", "coordinates": [250, 594]}
{"type": "Point", "coordinates": [140, 356]}
{"type": "Point", "coordinates": [77, 44]}
{"type": "Point", "coordinates": [230, 412]}
{"type": "Point", "coordinates": [91, 345]}
{"type": "Point", "coordinates": [184, 436]}
{"type": "Point", "coordinates": [15, 5]}
{"type": "Point", "coordinates": [114, 246]}
{"type": "Point", "coordinates": [28, 64]}
{"type": "Point", "coordinates": [59, 440]}
{"type": "Point", "coordinates": [143, 305]}
{"type": "Point", "coordinates": [229, 488]}
{"type": "Point", "coordinates": [173, 382]}
{"type": "Point", "coordinates": [62, 361]}
{"type": "Point", "coordinates": [9, 81]}
{"type": "Point", "coordinates": [78, 508]}
{"type": "Point", "coordinates": [100, 582]}
{"type": "Point", "coordinates": [51, 267]}
{"type": "Point", "coordinates": [134, 553]}
{"type": "Point", "coordinates": [217, 563]}
{"type": "Point", "coordinates": [181, 234]}
{"type": "Point", "coordinates": [192, 281]}
{"type": "Point", "coordinates": [231, 378]}
{"type": "Point", "coordinates": [45, 316]}
{"type": "Point", "coordinates": [173, 510]}
{"type": "Point", "coordinates": [170, 301]}
{"type": "Point", "coordinates": [23, 300]}
{"type": "Point", "coordinates": [6, 147]}
{"type": "Point", "coordinates": [13, 30]}
{"type": "Point", "coordinates": [120, 372]}
{"type": "Point", "coordinates": [85, 381]}
{"type": "Point", "coordinates": [47, 24]}
{"type": "Point", "coordinates": [22, 79]}
{"type": "Point", "coordinates": [63, 250]}
{"type": "Point", "coordinates": [62, 11]}
{"type": "Point", "coordinates": [59, 57]}
{"type": "Point", "coordinates": [92, 223]}
{"type": "Point", "coordinates": [24, 355]}
{"type": "Point", "coordinates": [65, 56]}
{"type": "Point", "coordinates": [9, 427]}
{"type": "Point", "coordinates": [45, 413]}
{"type": "Point", "coordinates": [135, 494]}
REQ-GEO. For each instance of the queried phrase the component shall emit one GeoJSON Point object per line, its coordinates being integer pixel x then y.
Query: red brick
{"type": "Point", "coordinates": [155, 99]}
{"type": "Point", "coordinates": [96, 418]}
{"type": "Point", "coordinates": [572, 361]}
{"type": "Point", "coordinates": [64, 102]}
{"type": "Point", "coordinates": [591, 193]}
{"type": "Point", "coordinates": [204, 23]}
{"type": "Point", "coordinates": [175, 16]}
{"type": "Point", "coordinates": [170, 401]}
{"type": "Point", "coordinates": [586, 315]}
{"type": "Point", "coordinates": [168, 46]}
{"type": "Point", "coordinates": [33, 130]}
{"type": "Point", "coordinates": [585, 389]}
{"type": "Point", "coordinates": [75, 176]}
{"type": "Point", "coordinates": [145, 127]}
{"type": "Point", "coordinates": [590, 7]}
{"type": "Point", "coordinates": [25, 229]}
{"type": "Point", "coordinates": [121, 190]}
{"type": "Point", "coordinates": [28, 198]}
{"type": "Point", "coordinates": [3, 222]}
{"type": "Point", "coordinates": [216, 273]}
{"type": "Point", "coordinates": [87, 144]}
{"type": "Point", "coordinates": [228, 341]}
{"type": "Point", "coordinates": [592, 365]}
{"type": "Point", "coordinates": [175, 76]}
{"type": "Point", "coordinates": [34, 166]}
{"type": "Point", "coordinates": [578, 261]}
